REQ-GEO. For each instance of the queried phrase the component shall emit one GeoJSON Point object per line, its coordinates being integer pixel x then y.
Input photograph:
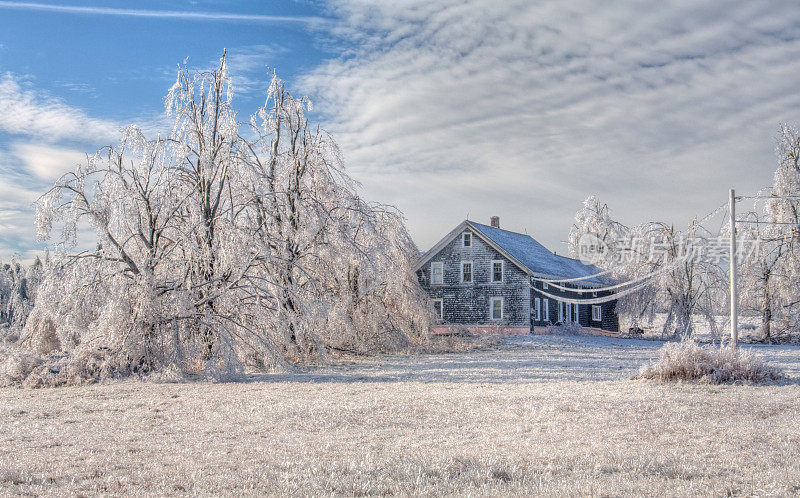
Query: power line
{"type": "Point", "coordinates": [768, 222]}
{"type": "Point", "coordinates": [763, 197]}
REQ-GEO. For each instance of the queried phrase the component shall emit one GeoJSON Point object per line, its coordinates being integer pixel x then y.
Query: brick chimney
{"type": "Point", "coordinates": [495, 222]}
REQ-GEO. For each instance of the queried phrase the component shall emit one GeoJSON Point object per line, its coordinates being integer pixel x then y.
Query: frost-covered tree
{"type": "Point", "coordinates": [222, 246]}
{"type": "Point", "coordinates": [762, 274]}
{"type": "Point", "coordinates": [659, 262]}
{"type": "Point", "coordinates": [19, 286]}
{"type": "Point", "coordinates": [621, 254]}
{"type": "Point", "coordinates": [331, 258]}
{"type": "Point", "coordinates": [770, 275]}
{"type": "Point", "coordinates": [688, 282]}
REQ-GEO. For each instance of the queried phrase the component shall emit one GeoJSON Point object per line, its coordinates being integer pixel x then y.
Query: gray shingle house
{"type": "Point", "coordinates": [493, 280]}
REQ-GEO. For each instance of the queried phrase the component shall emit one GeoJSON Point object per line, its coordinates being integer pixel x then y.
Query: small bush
{"type": "Point", "coordinates": [16, 365]}
{"type": "Point", "coordinates": [688, 361]}
{"type": "Point", "coordinates": [458, 340]}
{"type": "Point", "coordinates": [566, 329]}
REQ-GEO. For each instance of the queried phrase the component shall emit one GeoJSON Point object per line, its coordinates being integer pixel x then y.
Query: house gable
{"type": "Point", "coordinates": [470, 302]}
{"type": "Point", "coordinates": [460, 229]}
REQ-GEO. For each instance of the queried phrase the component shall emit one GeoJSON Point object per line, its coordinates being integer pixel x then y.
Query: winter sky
{"type": "Point", "coordinates": [448, 109]}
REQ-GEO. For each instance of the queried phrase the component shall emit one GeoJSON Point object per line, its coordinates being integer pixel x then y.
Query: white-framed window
{"type": "Point", "coordinates": [569, 312]}
{"type": "Point", "coordinates": [437, 273]}
{"type": "Point", "coordinates": [496, 308]}
{"type": "Point", "coordinates": [546, 305]}
{"type": "Point", "coordinates": [545, 286]}
{"type": "Point", "coordinates": [597, 313]}
{"type": "Point", "coordinates": [438, 309]}
{"type": "Point", "coordinates": [466, 239]}
{"type": "Point", "coordinates": [561, 311]}
{"type": "Point", "coordinates": [538, 309]}
{"type": "Point", "coordinates": [497, 271]}
{"type": "Point", "coordinates": [576, 313]}
{"type": "Point", "coordinates": [466, 272]}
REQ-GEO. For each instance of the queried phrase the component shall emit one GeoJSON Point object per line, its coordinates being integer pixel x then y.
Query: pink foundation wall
{"type": "Point", "coordinates": [482, 329]}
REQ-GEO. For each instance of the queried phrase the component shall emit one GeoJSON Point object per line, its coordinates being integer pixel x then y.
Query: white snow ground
{"type": "Point", "coordinates": [525, 359]}
{"type": "Point", "coordinates": [539, 415]}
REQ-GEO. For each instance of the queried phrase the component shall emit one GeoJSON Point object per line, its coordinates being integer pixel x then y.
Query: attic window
{"type": "Point", "coordinates": [466, 239]}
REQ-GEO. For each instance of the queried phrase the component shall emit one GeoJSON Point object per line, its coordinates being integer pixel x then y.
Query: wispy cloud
{"type": "Point", "coordinates": [38, 134]}
{"type": "Point", "coordinates": [162, 14]}
{"type": "Point", "coordinates": [249, 67]}
{"type": "Point", "coordinates": [521, 109]}
{"type": "Point", "coordinates": [25, 112]}
{"type": "Point", "coordinates": [47, 162]}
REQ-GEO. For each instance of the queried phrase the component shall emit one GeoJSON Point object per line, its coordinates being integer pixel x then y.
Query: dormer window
{"type": "Point", "coordinates": [466, 239]}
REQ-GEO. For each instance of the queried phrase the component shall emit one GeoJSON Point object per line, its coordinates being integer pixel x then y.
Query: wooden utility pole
{"type": "Point", "coordinates": [734, 292]}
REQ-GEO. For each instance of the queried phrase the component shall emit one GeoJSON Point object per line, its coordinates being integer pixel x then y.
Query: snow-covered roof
{"type": "Point", "coordinates": [536, 257]}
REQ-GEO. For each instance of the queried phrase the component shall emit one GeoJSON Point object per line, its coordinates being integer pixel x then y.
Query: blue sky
{"type": "Point", "coordinates": [447, 109]}
{"type": "Point", "coordinates": [114, 66]}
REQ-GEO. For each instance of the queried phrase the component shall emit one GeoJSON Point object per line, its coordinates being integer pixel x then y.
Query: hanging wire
{"type": "Point", "coordinates": [764, 197]}
{"type": "Point", "coordinates": [594, 300]}
{"type": "Point", "coordinates": [554, 282]}
{"type": "Point", "coordinates": [649, 276]}
{"type": "Point", "coordinates": [639, 283]}
{"type": "Point", "coordinates": [767, 222]}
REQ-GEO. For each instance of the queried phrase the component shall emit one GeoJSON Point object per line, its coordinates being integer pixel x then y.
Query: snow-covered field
{"type": "Point", "coordinates": [749, 327]}
{"type": "Point", "coordinates": [539, 415]}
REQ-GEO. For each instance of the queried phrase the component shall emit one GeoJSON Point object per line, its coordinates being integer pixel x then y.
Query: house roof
{"type": "Point", "coordinates": [536, 257]}
{"type": "Point", "coordinates": [524, 251]}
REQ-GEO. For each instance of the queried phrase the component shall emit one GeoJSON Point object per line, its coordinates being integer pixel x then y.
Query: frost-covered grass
{"type": "Point", "coordinates": [542, 415]}
{"type": "Point", "coordinates": [689, 361]}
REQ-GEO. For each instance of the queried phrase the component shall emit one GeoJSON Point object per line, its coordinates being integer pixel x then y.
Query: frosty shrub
{"type": "Point", "coordinates": [566, 329]}
{"type": "Point", "coordinates": [16, 365]}
{"type": "Point", "coordinates": [220, 248]}
{"type": "Point", "coordinates": [686, 360]}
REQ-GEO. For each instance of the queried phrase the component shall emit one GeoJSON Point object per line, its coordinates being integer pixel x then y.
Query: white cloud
{"type": "Point", "coordinates": [160, 14]}
{"type": "Point", "coordinates": [35, 128]}
{"type": "Point", "coordinates": [249, 67]}
{"type": "Point", "coordinates": [449, 108]}
{"type": "Point", "coordinates": [47, 162]}
{"type": "Point", "coordinates": [24, 112]}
